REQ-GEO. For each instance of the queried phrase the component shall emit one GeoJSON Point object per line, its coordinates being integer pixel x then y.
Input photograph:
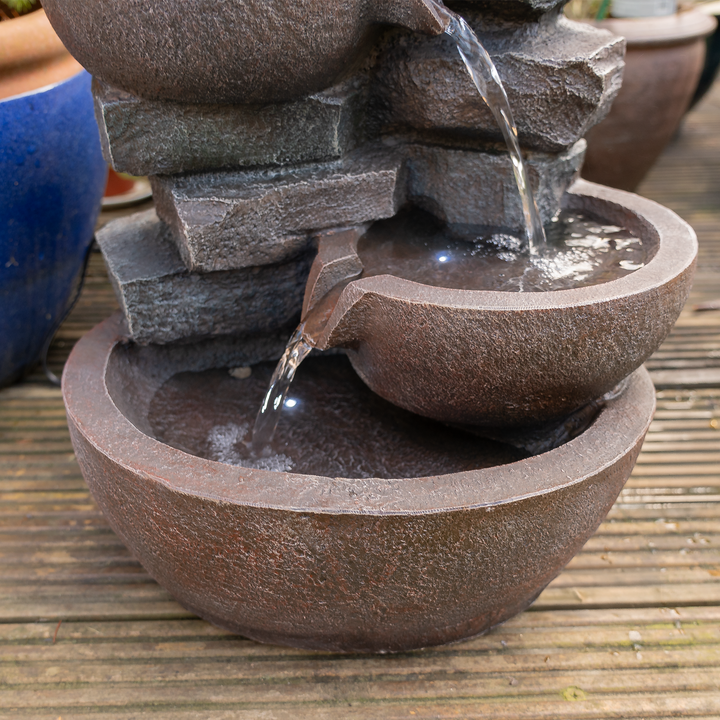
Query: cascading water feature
{"type": "Point", "coordinates": [395, 525]}
{"type": "Point", "coordinates": [551, 266]}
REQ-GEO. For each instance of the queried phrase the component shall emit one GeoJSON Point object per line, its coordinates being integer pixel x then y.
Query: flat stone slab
{"type": "Point", "coordinates": [233, 220]}
{"type": "Point", "coordinates": [151, 137]}
{"type": "Point", "coordinates": [560, 76]}
{"type": "Point", "coordinates": [463, 187]}
{"type": "Point", "coordinates": [224, 221]}
{"type": "Point", "coordinates": [163, 302]}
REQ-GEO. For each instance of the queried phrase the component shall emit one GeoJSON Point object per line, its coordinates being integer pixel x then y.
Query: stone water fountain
{"type": "Point", "coordinates": [275, 134]}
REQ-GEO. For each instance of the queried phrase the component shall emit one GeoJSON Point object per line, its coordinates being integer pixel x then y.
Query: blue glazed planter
{"type": "Point", "coordinates": [52, 176]}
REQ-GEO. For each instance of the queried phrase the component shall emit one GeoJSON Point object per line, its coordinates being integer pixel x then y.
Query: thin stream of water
{"type": "Point", "coordinates": [297, 349]}
{"type": "Point", "coordinates": [486, 79]}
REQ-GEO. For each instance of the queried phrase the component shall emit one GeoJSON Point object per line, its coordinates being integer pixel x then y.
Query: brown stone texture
{"type": "Point", "coordinates": [232, 220]}
{"type": "Point", "coordinates": [152, 137]}
{"type": "Point", "coordinates": [464, 187]}
{"type": "Point", "coordinates": [338, 564]}
{"type": "Point", "coordinates": [503, 359]}
{"type": "Point", "coordinates": [250, 52]}
{"type": "Point", "coordinates": [560, 77]}
{"type": "Point", "coordinates": [163, 302]}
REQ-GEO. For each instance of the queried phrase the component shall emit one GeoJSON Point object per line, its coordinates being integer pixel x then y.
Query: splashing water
{"type": "Point", "coordinates": [486, 79]}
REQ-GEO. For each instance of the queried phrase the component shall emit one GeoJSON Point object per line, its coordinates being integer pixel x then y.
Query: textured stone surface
{"type": "Point", "coordinates": [162, 302]}
{"type": "Point", "coordinates": [473, 188]}
{"type": "Point", "coordinates": [230, 220]}
{"type": "Point", "coordinates": [151, 137]}
{"type": "Point", "coordinates": [560, 78]}
{"type": "Point", "coordinates": [501, 359]}
{"type": "Point", "coordinates": [297, 554]}
{"type": "Point", "coordinates": [254, 51]}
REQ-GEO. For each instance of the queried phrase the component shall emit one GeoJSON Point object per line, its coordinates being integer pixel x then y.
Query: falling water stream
{"type": "Point", "coordinates": [485, 77]}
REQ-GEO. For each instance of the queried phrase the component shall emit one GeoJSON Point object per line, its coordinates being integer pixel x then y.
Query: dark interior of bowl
{"type": "Point", "coordinates": [332, 425]}
{"type": "Point", "coordinates": [583, 249]}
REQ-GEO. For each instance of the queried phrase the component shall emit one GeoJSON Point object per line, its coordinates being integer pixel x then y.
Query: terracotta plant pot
{"type": "Point", "coordinates": [343, 564]}
{"type": "Point", "coordinates": [254, 51]}
{"type": "Point", "coordinates": [502, 359]}
{"type": "Point", "coordinates": [663, 64]}
{"type": "Point", "coordinates": [32, 55]}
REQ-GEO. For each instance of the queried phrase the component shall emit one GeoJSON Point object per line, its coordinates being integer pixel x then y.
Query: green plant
{"type": "Point", "coordinates": [10, 9]}
{"type": "Point", "coordinates": [20, 6]}
{"type": "Point", "coordinates": [588, 9]}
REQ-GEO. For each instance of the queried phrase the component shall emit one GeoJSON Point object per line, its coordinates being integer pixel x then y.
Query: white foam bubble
{"type": "Point", "coordinates": [224, 441]}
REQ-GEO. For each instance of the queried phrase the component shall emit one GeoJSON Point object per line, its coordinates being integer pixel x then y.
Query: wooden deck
{"type": "Point", "coordinates": [630, 629]}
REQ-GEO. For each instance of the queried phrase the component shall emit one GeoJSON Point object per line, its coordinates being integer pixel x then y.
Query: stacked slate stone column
{"type": "Point", "coordinates": [242, 192]}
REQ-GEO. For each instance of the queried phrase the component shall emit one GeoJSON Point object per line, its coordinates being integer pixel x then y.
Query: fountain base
{"type": "Point", "coordinates": [333, 563]}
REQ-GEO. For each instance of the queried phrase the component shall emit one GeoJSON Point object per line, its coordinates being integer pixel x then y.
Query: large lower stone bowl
{"type": "Point", "coordinates": [366, 565]}
{"type": "Point", "coordinates": [236, 51]}
{"type": "Point", "coordinates": [508, 359]}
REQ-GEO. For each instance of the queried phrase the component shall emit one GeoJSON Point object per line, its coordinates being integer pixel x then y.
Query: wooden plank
{"type": "Point", "coordinates": [699, 377]}
{"type": "Point", "coordinates": [696, 691]}
{"type": "Point", "coordinates": [630, 596]}
{"type": "Point", "coordinates": [659, 706]}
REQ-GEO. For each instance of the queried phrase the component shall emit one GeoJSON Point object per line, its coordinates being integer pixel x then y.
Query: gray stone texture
{"type": "Point", "coordinates": [560, 77]}
{"type": "Point", "coordinates": [163, 302]}
{"type": "Point", "coordinates": [464, 187]}
{"type": "Point", "coordinates": [151, 137]}
{"type": "Point", "coordinates": [229, 220]}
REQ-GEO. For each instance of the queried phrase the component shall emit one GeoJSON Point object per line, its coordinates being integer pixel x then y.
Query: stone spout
{"type": "Point", "coordinates": [429, 17]}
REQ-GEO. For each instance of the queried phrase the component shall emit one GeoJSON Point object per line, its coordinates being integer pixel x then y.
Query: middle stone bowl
{"type": "Point", "coordinates": [510, 359]}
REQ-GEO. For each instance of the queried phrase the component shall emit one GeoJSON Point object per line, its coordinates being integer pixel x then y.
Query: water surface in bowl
{"type": "Point", "coordinates": [332, 425]}
{"type": "Point", "coordinates": [580, 251]}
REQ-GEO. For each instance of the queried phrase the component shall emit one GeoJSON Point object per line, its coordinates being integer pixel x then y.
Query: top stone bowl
{"type": "Point", "coordinates": [233, 52]}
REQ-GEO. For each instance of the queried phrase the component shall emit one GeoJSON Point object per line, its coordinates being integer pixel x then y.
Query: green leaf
{"type": "Point", "coordinates": [20, 6]}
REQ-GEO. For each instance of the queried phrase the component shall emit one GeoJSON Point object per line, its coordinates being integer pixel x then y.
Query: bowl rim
{"type": "Point", "coordinates": [676, 252]}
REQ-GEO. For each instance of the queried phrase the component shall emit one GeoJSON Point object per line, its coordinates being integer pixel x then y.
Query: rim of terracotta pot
{"type": "Point", "coordinates": [678, 29]}
{"type": "Point", "coordinates": [620, 425]}
{"type": "Point", "coordinates": [29, 47]}
{"type": "Point", "coordinates": [674, 239]}
{"type": "Point", "coordinates": [42, 89]}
